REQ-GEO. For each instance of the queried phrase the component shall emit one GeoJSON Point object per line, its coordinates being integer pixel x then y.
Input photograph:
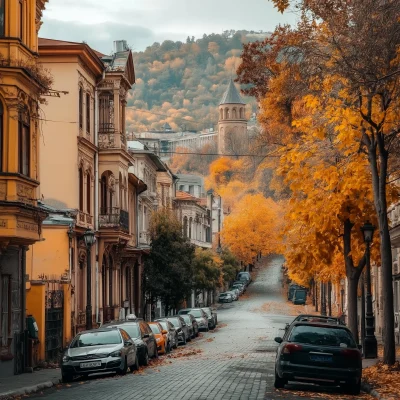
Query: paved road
{"type": "Point", "coordinates": [236, 361]}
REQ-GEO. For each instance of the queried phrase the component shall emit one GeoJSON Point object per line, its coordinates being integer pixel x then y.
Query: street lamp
{"type": "Point", "coordinates": [90, 239]}
{"type": "Point", "coordinates": [371, 346]}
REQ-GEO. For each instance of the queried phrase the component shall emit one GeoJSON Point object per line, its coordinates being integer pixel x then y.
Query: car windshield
{"type": "Point", "coordinates": [132, 330]}
{"type": "Point", "coordinates": [322, 336]}
{"type": "Point", "coordinates": [186, 317]}
{"type": "Point", "coordinates": [100, 338]}
{"type": "Point", "coordinates": [196, 313]}
{"type": "Point", "coordinates": [182, 312]}
{"type": "Point", "coordinates": [175, 322]}
{"type": "Point", "coordinates": [163, 324]}
{"type": "Point", "coordinates": [154, 328]}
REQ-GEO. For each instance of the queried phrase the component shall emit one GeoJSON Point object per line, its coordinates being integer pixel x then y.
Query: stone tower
{"type": "Point", "coordinates": [232, 124]}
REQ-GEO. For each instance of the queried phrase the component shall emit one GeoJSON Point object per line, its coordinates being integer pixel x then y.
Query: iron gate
{"type": "Point", "coordinates": [54, 324]}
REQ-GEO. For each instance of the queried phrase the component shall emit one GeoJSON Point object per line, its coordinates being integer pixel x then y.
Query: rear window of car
{"type": "Point", "coordinates": [186, 317]}
{"type": "Point", "coordinates": [97, 339]}
{"type": "Point", "coordinates": [163, 324]}
{"type": "Point", "coordinates": [175, 322]}
{"type": "Point", "coordinates": [196, 313]}
{"type": "Point", "coordinates": [322, 336]}
{"type": "Point", "coordinates": [133, 330]}
{"type": "Point", "coordinates": [154, 328]}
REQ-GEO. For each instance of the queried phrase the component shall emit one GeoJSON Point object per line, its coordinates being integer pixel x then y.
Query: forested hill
{"type": "Point", "coordinates": [182, 83]}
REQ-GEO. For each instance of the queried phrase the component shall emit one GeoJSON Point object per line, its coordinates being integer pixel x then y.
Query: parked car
{"type": "Point", "coordinates": [292, 288]}
{"type": "Point", "coordinates": [180, 327]}
{"type": "Point", "coordinates": [192, 324]}
{"type": "Point", "coordinates": [157, 330]}
{"type": "Point", "coordinates": [315, 318]}
{"type": "Point", "coordinates": [143, 337]}
{"type": "Point", "coordinates": [319, 353]}
{"type": "Point", "coordinates": [241, 283]}
{"type": "Point", "coordinates": [225, 298]}
{"type": "Point", "coordinates": [236, 292]}
{"type": "Point", "coordinates": [211, 317]}
{"type": "Point", "coordinates": [169, 330]}
{"type": "Point", "coordinates": [99, 350]}
{"type": "Point", "coordinates": [244, 275]}
{"type": "Point", "coordinates": [199, 314]}
{"type": "Point", "coordinates": [299, 297]}
{"type": "Point", "coordinates": [240, 287]}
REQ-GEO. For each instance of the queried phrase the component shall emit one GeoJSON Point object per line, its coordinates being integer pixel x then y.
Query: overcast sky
{"type": "Point", "coordinates": [143, 22]}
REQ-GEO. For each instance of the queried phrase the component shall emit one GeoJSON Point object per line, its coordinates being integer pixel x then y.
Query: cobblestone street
{"type": "Point", "coordinates": [236, 361]}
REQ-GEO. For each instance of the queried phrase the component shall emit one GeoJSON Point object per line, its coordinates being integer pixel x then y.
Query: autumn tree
{"type": "Point", "coordinates": [252, 227]}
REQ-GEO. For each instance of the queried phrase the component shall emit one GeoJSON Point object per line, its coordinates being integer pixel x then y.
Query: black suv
{"type": "Point", "coordinates": [143, 337]}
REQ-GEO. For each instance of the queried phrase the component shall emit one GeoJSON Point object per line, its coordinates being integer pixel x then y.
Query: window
{"type": "Point", "coordinates": [221, 113]}
{"type": "Point", "coordinates": [21, 19]}
{"type": "Point", "coordinates": [88, 193]}
{"type": "Point", "coordinates": [103, 195]}
{"type": "Point", "coordinates": [234, 113]}
{"type": "Point", "coordinates": [185, 227]}
{"type": "Point", "coordinates": [80, 108]}
{"type": "Point", "coordinates": [106, 113]}
{"type": "Point", "coordinates": [80, 189]}
{"type": "Point", "coordinates": [24, 143]}
{"type": "Point", "coordinates": [1, 136]}
{"type": "Point", "coordinates": [190, 227]}
{"type": "Point", "coordinates": [88, 113]}
{"type": "Point", "coordinates": [2, 17]}
{"type": "Point", "coordinates": [5, 308]}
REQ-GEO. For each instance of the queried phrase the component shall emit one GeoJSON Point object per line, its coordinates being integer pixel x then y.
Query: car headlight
{"type": "Point", "coordinates": [115, 353]}
{"type": "Point", "coordinates": [66, 358]}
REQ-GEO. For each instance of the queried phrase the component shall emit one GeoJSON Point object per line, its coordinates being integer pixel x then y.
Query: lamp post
{"type": "Point", "coordinates": [371, 346]}
{"type": "Point", "coordinates": [90, 239]}
{"type": "Point", "coordinates": [342, 283]}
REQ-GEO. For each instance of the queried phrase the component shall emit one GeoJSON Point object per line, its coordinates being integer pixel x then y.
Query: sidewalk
{"type": "Point", "coordinates": [19, 385]}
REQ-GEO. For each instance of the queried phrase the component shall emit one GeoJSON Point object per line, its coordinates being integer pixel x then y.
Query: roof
{"type": "Point", "coordinates": [54, 42]}
{"type": "Point", "coordinates": [231, 96]}
{"type": "Point", "coordinates": [185, 196]}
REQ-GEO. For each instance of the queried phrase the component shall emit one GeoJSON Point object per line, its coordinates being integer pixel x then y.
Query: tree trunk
{"type": "Point", "coordinates": [316, 296]}
{"type": "Point", "coordinates": [352, 321]}
{"type": "Point", "coordinates": [329, 298]}
{"type": "Point", "coordinates": [379, 176]}
{"type": "Point", "coordinates": [323, 299]}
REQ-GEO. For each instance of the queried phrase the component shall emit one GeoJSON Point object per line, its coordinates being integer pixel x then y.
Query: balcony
{"type": "Point", "coordinates": [200, 243]}
{"type": "Point", "coordinates": [114, 218]}
{"type": "Point", "coordinates": [85, 219]}
{"type": "Point", "coordinates": [112, 140]}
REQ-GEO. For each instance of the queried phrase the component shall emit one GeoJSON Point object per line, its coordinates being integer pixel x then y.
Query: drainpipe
{"type": "Point", "coordinates": [96, 198]}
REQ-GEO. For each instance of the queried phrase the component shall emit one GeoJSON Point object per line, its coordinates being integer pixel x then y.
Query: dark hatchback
{"type": "Point", "coordinates": [142, 336]}
{"type": "Point", "coordinates": [319, 353]}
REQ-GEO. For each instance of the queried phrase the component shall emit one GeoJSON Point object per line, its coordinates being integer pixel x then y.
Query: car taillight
{"type": "Point", "coordinates": [291, 348]}
{"type": "Point", "coordinates": [351, 353]}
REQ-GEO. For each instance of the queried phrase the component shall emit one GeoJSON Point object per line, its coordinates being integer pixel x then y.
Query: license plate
{"type": "Point", "coordinates": [326, 359]}
{"type": "Point", "coordinates": [91, 364]}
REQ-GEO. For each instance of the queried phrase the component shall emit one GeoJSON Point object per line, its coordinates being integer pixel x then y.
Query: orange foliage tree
{"type": "Point", "coordinates": [252, 227]}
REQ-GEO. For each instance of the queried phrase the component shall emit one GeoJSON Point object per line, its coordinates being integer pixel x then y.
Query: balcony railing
{"type": "Point", "coordinates": [144, 237]}
{"type": "Point", "coordinates": [200, 243]}
{"type": "Point", "coordinates": [114, 218]}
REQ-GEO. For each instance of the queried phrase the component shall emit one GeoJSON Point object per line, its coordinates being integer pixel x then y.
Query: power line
{"type": "Point", "coordinates": [220, 155]}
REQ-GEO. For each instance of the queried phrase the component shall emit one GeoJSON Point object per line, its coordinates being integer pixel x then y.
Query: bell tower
{"type": "Point", "coordinates": [232, 124]}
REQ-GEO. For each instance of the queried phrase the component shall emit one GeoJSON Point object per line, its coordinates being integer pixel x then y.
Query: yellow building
{"type": "Point", "coordinates": [22, 84]}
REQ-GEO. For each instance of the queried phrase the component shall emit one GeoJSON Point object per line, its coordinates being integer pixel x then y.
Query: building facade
{"type": "Point", "coordinates": [23, 83]}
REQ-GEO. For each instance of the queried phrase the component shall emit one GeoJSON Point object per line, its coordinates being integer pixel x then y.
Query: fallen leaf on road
{"type": "Point", "coordinates": [384, 378]}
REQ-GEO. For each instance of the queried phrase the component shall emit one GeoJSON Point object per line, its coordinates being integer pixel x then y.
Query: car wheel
{"type": "Point", "coordinates": [168, 348]}
{"type": "Point", "coordinates": [352, 388]}
{"type": "Point", "coordinates": [189, 338]}
{"type": "Point", "coordinates": [279, 383]}
{"type": "Point", "coordinates": [67, 378]}
{"type": "Point", "coordinates": [207, 329]}
{"type": "Point", "coordinates": [184, 340]}
{"type": "Point", "coordinates": [176, 342]}
{"type": "Point", "coordinates": [145, 360]}
{"type": "Point", "coordinates": [123, 370]}
{"type": "Point", "coordinates": [135, 367]}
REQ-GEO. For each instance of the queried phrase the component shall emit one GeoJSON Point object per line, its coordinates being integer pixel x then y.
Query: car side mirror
{"type": "Point", "coordinates": [164, 331]}
{"type": "Point", "coordinates": [278, 340]}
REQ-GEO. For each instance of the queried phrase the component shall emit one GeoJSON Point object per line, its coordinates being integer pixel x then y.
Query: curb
{"type": "Point", "coordinates": [29, 389]}
{"type": "Point", "coordinates": [367, 388]}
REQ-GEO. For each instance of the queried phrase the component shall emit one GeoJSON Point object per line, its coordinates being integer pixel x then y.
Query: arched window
{"type": "Point", "coordinates": [185, 227]}
{"type": "Point", "coordinates": [221, 113]}
{"type": "Point", "coordinates": [80, 108]}
{"type": "Point", "coordinates": [24, 148]}
{"type": "Point", "coordinates": [2, 18]}
{"type": "Point", "coordinates": [1, 133]}
{"type": "Point", "coordinates": [241, 113]}
{"type": "Point", "coordinates": [103, 194]}
{"type": "Point", "coordinates": [81, 189]}
{"type": "Point", "coordinates": [234, 113]}
{"type": "Point", "coordinates": [88, 113]}
{"type": "Point", "coordinates": [226, 113]}
{"type": "Point", "coordinates": [88, 194]}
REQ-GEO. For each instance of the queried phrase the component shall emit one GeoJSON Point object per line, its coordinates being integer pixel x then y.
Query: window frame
{"type": "Point", "coordinates": [24, 143]}
{"type": "Point", "coordinates": [81, 191]}
{"type": "Point", "coordinates": [80, 107]}
{"type": "Point", "coordinates": [2, 18]}
{"type": "Point", "coordinates": [88, 114]}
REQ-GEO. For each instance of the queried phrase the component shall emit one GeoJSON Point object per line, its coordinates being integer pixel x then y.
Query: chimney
{"type": "Point", "coordinates": [120, 45]}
